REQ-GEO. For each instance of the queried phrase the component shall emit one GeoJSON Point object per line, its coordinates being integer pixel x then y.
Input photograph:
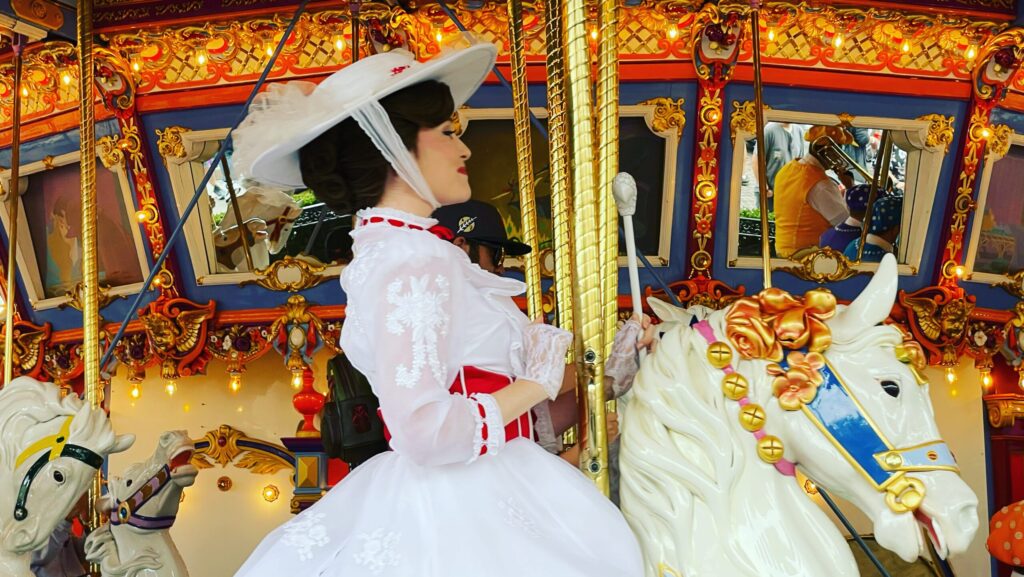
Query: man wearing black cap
{"type": "Point", "coordinates": [479, 231]}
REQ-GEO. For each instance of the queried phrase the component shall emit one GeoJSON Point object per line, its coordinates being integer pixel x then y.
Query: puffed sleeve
{"type": "Point", "coordinates": [416, 334]}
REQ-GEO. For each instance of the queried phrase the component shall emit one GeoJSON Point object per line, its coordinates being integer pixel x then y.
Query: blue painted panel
{"type": "Point", "coordinates": [987, 295]}
{"type": "Point", "coordinates": [829, 102]}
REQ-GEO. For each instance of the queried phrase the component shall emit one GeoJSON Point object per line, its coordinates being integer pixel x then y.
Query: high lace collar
{"type": "Point", "coordinates": [391, 215]}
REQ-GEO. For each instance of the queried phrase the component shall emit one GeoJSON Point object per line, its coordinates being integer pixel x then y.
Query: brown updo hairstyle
{"type": "Point", "coordinates": [342, 166]}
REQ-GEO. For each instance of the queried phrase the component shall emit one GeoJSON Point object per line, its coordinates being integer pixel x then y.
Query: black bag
{"type": "Point", "coordinates": [350, 428]}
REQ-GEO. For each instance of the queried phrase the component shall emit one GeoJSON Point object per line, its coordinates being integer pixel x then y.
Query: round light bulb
{"type": "Point", "coordinates": [171, 387]}
{"type": "Point", "coordinates": [771, 35]}
{"type": "Point", "coordinates": [950, 375]}
{"type": "Point", "coordinates": [673, 33]}
{"type": "Point", "coordinates": [136, 66]}
{"type": "Point", "coordinates": [297, 379]}
{"type": "Point", "coordinates": [339, 43]}
{"type": "Point", "coordinates": [959, 271]}
{"type": "Point", "coordinates": [200, 57]}
{"type": "Point", "coordinates": [235, 382]}
{"type": "Point", "coordinates": [66, 78]}
{"type": "Point", "coordinates": [986, 379]}
{"type": "Point", "coordinates": [593, 33]}
{"type": "Point", "coordinates": [972, 52]}
{"type": "Point", "coordinates": [136, 392]}
{"type": "Point", "coordinates": [838, 41]}
{"type": "Point", "coordinates": [24, 92]}
{"type": "Point", "coordinates": [986, 132]}
{"type": "Point", "coordinates": [906, 46]}
{"type": "Point", "coordinates": [271, 493]}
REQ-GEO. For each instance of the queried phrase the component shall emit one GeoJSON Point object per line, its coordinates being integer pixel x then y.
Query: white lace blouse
{"type": "Point", "coordinates": [418, 310]}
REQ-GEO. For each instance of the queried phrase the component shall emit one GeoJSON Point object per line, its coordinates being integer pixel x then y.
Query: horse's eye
{"type": "Point", "coordinates": [129, 483]}
{"type": "Point", "coordinates": [891, 387]}
{"type": "Point", "coordinates": [58, 476]}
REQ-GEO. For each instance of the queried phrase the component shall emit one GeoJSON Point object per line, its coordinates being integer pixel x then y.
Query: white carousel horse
{"type": "Point", "coordinates": [268, 213]}
{"type": "Point", "coordinates": [50, 450]}
{"type": "Point", "coordinates": [143, 505]}
{"type": "Point", "coordinates": [698, 487]}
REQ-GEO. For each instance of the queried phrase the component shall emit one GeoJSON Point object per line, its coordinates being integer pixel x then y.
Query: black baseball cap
{"type": "Point", "coordinates": [479, 222]}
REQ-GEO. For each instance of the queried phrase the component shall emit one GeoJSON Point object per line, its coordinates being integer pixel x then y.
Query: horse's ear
{"type": "Point", "coordinates": [872, 306]}
{"type": "Point", "coordinates": [667, 312]}
{"type": "Point", "coordinates": [123, 443]}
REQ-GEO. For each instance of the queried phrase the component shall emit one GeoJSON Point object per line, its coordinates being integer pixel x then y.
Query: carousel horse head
{"type": "Point", "coordinates": [268, 213]}
{"type": "Point", "coordinates": [50, 450]}
{"type": "Point", "coordinates": [734, 401]}
{"type": "Point", "coordinates": [146, 496]}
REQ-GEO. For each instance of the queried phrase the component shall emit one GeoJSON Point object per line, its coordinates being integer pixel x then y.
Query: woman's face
{"type": "Point", "coordinates": [442, 157]}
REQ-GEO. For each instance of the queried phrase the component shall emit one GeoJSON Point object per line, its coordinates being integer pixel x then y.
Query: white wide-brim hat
{"type": "Point", "coordinates": [288, 116]}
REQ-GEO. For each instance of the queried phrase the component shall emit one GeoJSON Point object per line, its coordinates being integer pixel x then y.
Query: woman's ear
{"type": "Point", "coordinates": [461, 242]}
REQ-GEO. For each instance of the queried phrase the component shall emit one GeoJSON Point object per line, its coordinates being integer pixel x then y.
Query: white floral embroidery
{"type": "Point", "coordinates": [304, 533]}
{"type": "Point", "coordinates": [422, 311]}
{"type": "Point", "coordinates": [362, 263]}
{"type": "Point", "coordinates": [378, 550]}
{"type": "Point", "coordinates": [515, 517]}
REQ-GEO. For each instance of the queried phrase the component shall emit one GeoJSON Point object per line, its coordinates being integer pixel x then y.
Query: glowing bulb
{"type": "Point", "coordinates": [972, 52]}
{"type": "Point", "coordinates": [269, 49]}
{"type": "Point", "coordinates": [593, 33]}
{"type": "Point", "coordinates": [297, 379]}
{"type": "Point", "coordinates": [986, 132]}
{"type": "Point", "coordinates": [950, 375]}
{"type": "Point", "coordinates": [986, 379]}
{"type": "Point", "coordinates": [673, 33]}
{"type": "Point", "coordinates": [235, 382]}
{"type": "Point", "coordinates": [959, 271]}
{"type": "Point", "coordinates": [838, 41]}
{"type": "Point", "coordinates": [271, 493]}
{"type": "Point", "coordinates": [171, 387]}
{"type": "Point", "coordinates": [136, 392]}
{"type": "Point", "coordinates": [771, 35]}
{"type": "Point", "coordinates": [339, 43]}
{"type": "Point", "coordinates": [906, 46]}
{"type": "Point", "coordinates": [24, 92]}
{"type": "Point", "coordinates": [200, 57]}
{"type": "Point", "coordinates": [140, 215]}
{"type": "Point", "coordinates": [439, 37]}
{"type": "Point", "coordinates": [136, 66]}
{"type": "Point", "coordinates": [66, 79]}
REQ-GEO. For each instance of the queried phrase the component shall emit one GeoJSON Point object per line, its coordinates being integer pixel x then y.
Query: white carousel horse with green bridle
{"type": "Point", "coordinates": [719, 419]}
{"type": "Point", "coordinates": [143, 504]}
{"type": "Point", "coordinates": [50, 450]}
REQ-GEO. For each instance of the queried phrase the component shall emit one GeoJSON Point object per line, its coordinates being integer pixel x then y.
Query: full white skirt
{"type": "Point", "coordinates": [521, 512]}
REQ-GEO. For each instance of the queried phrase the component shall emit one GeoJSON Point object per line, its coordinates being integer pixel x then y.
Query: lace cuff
{"type": "Point", "coordinates": [545, 429]}
{"type": "Point", "coordinates": [489, 435]}
{"type": "Point", "coordinates": [623, 363]}
{"type": "Point", "coordinates": [544, 348]}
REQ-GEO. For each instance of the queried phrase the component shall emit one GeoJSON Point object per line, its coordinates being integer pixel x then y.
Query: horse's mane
{"type": "Point", "coordinates": [25, 403]}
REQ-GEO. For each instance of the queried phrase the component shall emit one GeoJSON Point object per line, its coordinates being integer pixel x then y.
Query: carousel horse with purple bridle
{"type": "Point", "coordinates": [50, 450]}
{"type": "Point", "coordinates": [734, 401]}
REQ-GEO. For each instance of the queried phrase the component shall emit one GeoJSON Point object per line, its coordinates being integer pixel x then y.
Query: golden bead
{"type": "Point", "coordinates": [770, 449]}
{"type": "Point", "coordinates": [719, 355]}
{"type": "Point", "coordinates": [911, 499]}
{"type": "Point", "coordinates": [734, 386]}
{"type": "Point", "coordinates": [752, 417]}
{"type": "Point", "coordinates": [893, 460]}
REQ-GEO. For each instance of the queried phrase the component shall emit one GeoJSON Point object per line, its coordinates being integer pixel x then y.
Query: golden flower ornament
{"type": "Point", "coordinates": [798, 384]}
{"type": "Point", "coordinates": [761, 327]}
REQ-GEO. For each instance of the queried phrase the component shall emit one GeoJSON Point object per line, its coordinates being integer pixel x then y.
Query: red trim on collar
{"type": "Point", "coordinates": [437, 230]}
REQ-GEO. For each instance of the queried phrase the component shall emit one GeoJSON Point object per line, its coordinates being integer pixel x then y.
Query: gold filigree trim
{"type": "Point", "coordinates": [1014, 285]}
{"type": "Point", "coordinates": [76, 294]}
{"type": "Point", "coordinates": [940, 131]}
{"type": "Point", "coordinates": [169, 141]}
{"type": "Point", "coordinates": [1004, 409]}
{"type": "Point", "coordinates": [999, 142]}
{"type": "Point", "coordinates": [110, 152]}
{"type": "Point", "coordinates": [292, 274]}
{"type": "Point", "coordinates": [668, 115]}
{"type": "Point", "coordinates": [821, 265]}
{"type": "Point", "coordinates": [223, 450]}
{"type": "Point", "coordinates": [743, 118]}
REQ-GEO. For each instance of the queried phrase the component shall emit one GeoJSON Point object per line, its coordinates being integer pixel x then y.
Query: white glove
{"type": "Point", "coordinates": [624, 361]}
{"type": "Point", "coordinates": [544, 349]}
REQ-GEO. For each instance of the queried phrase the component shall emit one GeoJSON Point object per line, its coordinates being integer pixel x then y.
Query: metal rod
{"type": "Point", "coordinates": [849, 527]}
{"type": "Point", "coordinates": [657, 278]}
{"type": "Point", "coordinates": [242, 229]}
{"type": "Point", "coordinates": [201, 188]}
{"type": "Point", "coordinates": [881, 179]}
{"type": "Point", "coordinates": [524, 158]}
{"type": "Point", "coordinates": [608, 164]}
{"type": "Point", "coordinates": [13, 199]}
{"type": "Point", "coordinates": [762, 172]}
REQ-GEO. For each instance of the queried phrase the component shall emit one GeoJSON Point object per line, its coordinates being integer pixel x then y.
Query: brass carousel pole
{"type": "Point", "coordinates": [608, 164]}
{"type": "Point", "coordinates": [90, 269]}
{"type": "Point", "coordinates": [17, 43]}
{"type": "Point", "coordinates": [561, 183]}
{"type": "Point", "coordinates": [524, 157]}
{"type": "Point", "coordinates": [762, 172]}
{"type": "Point", "coordinates": [590, 307]}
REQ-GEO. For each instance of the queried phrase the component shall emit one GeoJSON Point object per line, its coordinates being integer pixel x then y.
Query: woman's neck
{"type": "Point", "coordinates": [399, 195]}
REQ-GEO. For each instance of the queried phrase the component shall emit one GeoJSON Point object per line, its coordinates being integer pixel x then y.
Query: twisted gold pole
{"type": "Point", "coordinates": [762, 172]}
{"type": "Point", "coordinates": [561, 185]}
{"type": "Point", "coordinates": [524, 157]}
{"type": "Point", "coordinates": [589, 320]}
{"type": "Point", "coordinates": [608, 164]}
{"type": "Point", "coordinates": [90, 268]}
{"type": "Point", "coordinates": [12, 211]}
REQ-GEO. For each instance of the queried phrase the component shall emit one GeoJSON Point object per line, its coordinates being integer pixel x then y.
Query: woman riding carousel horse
{"type": "Point", "coordinates": [456, 365]}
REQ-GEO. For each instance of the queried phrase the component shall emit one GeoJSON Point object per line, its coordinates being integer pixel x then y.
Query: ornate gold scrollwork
{"type": "Point", "coordinates": [846, 119]}
{"type": "Point", "coordinates": [223, 449]}
{"type": "Point", "coordinates": [940, 131]}
{"type": "Point", "coordinates": [169, 141]}
{"type": "Point", "coordinates": [109, 152]}
{"type": "Point", "coordinates": [1004, 409]}
{"type": "Point", "coordinates": [668, 114]}
{"type": "Point", "coordinates": [743, 118]}
{"type": "Point", "coordinates": [821, 265]}
{"type": "Point", "coordinates": [999, 142]}
{"type": "Point", "coordinates": [176, 329]}
{"type": "Point", "coordinates": [75, 297]}
{"type": "Point", "coordinates": [292, 274]}
{"type": "Point", "coordinates": [1014, 284]}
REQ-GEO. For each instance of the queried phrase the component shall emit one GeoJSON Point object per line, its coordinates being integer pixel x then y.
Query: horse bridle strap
{"type": "Point", "coordinates": [126, 509]}
{"type": "Point", "coordinates": [56, 446]}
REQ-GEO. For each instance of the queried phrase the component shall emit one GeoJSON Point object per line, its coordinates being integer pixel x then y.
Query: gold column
{"type": "Point", "coordinates": [589, 318]}
{"type": "Point", "coordinates": [90, 268]}
{"type": "Point", "coordinates": [608, 164]}
{"type": "Point", "coordinates": [524, 157]}
{"type": "Point", "coordinates": [12, 210]}
{"type": "Point", "coordinates": [762, 172]}
{"type": "Point", "coordinates": [561, 185]}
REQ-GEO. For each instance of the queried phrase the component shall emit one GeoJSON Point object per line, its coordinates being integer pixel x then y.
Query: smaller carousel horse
{"type": "Point", "coordinates": [50, 450]}
{"type": "Point", "coordinates": [143, 504]}
{"type": "Point", "coordinates": [732, 401]}
{"type": "Point", "coordinates": [268, 215]}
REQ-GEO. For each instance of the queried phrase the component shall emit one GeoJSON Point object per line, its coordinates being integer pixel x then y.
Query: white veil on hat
{"type": "Point", "coordinates": [287, 116]}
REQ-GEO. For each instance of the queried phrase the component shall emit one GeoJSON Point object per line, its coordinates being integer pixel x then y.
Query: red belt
{"type": "Point", "coordinates": [481, 381]}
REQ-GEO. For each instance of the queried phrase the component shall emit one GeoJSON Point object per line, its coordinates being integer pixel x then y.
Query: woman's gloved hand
{"type": "Point", "coordinates": [544, 350]}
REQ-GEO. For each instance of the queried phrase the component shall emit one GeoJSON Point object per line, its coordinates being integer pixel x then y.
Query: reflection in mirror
{"type": "Point", "coordinates": [818, 182]}
{"type": "Point", "coordinates": [1000, 247]}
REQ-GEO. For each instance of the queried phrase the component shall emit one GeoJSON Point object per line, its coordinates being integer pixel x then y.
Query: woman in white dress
{"type": "Point", "coordinates": [464, 492]}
